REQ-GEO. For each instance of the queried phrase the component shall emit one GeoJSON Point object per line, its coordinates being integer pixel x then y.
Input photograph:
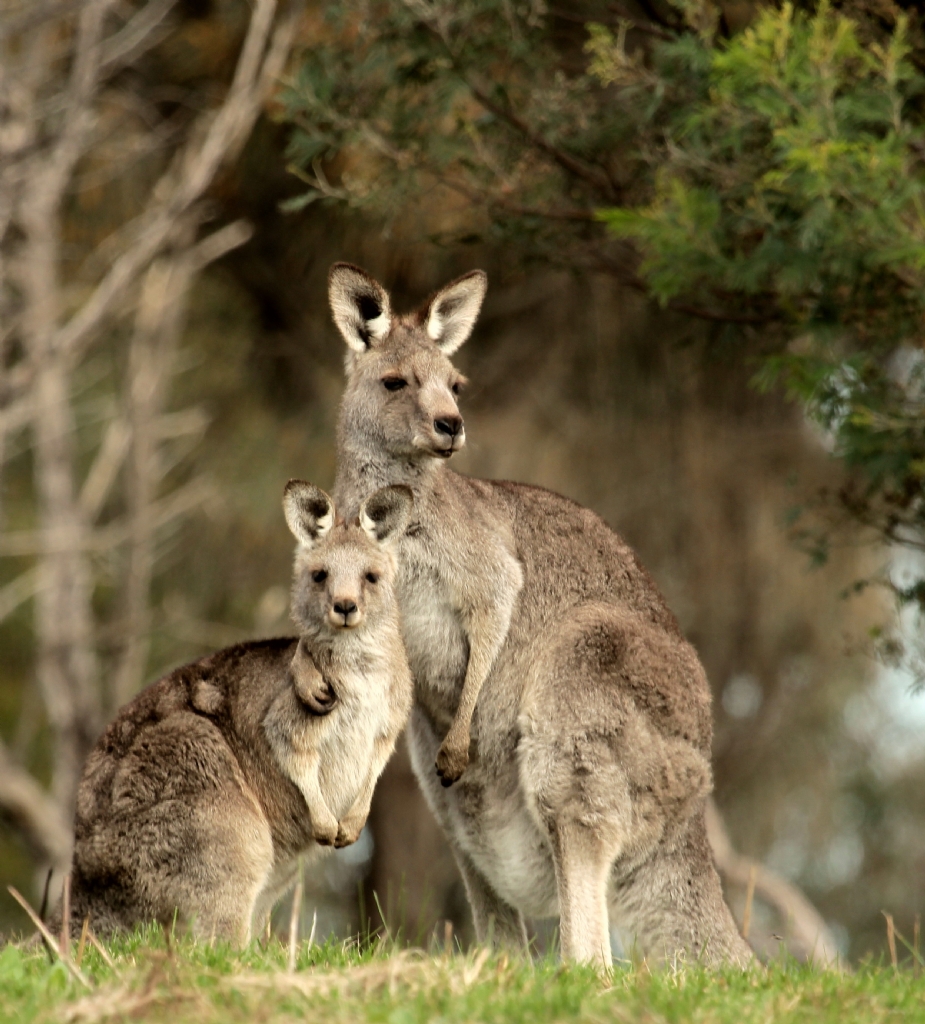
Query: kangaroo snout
{"type": "Point", "coordinates": [450, 434]}
{"type": "Point", "coordinates": [344, 613]}
{"type": "Point", "coordinates": [449, 425]}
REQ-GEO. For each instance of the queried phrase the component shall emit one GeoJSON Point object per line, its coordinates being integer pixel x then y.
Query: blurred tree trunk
{"type": "Point", "coordinates": [413, 885]}
{"type": "Point", "coordinates": [60, 87]}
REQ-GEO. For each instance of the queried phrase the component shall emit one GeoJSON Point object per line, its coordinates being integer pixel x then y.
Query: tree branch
{"type": "Point", "coordinates": [565, 160]}
{"type": "Point", "coordinates": [810, 936]}
{"type": "Point", "coordinates": [34, 814]}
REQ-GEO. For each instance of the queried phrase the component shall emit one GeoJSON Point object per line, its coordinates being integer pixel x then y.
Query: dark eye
{"type": "Point", "coordinates": [319, 575]}
{"type": "Point", "coordinates": [372, 577]}
{"type": "Point", "coordinates": [456, 388]}
{"type": "Point", "coordinates": [394, 383]}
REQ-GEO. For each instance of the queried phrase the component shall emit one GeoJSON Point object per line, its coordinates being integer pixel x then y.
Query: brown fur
{"type": "Point", "coordinates": [552, 683]}
{"type": "Point", "coordinates": [200, 797]}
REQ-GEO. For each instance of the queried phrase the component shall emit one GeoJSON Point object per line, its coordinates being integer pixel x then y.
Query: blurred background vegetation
{"type": "Point", "coordinates": [704, 234]}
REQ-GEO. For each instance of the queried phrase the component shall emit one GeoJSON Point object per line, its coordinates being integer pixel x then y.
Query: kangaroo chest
{"type": "Point", "coordinates": [433, 633]}
{"type": "Point", "coordinates": [345, 757]}
{"type": "Point", "coordinates": [335, 750]}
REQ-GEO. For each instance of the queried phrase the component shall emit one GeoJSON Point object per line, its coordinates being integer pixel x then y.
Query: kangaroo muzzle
{"type": "Point", "coordinates": [344, 613]}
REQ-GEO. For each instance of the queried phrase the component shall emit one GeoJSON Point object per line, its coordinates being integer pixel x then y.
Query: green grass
{"type": "Point", "coordinates": [151, 980]}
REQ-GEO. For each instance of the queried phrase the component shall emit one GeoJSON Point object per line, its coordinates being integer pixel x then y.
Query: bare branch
{"type": "Point", "coordinates": [137, 36]}
{"type": "Point", "coordinates": [809, 932]}
{"type": "Point", "coordinates": [592, 175]}
{"type": "Point", "coordinates": [18, 592]}
{"type": "Point", "coordinates": [105, 469]}
{"type": "Point", "coordinates": [36, 14]}
{"type": "Point", "coordinates": [31, 542]}
{"type": "Point", "coordinates": [34, 814]}
{"type": "Point", "coordinates": [220, 136]}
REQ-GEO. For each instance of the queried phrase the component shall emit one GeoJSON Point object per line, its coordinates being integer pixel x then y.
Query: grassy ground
{"type": "Point", "coordinates": [148, 980]}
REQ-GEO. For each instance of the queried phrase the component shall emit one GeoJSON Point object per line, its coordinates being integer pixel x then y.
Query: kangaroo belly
{"type": "Point", "coordinates": [345, 764]}
{"type": "Point", "coordinates": [514, 857]}
{"type": "Point", "coordinates": [485, 816]}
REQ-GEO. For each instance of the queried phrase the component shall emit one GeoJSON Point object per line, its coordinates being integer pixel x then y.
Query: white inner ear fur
{"type": "Point", "coordinates": [347, 290]}
{"type": "Point", "coordinates": [368, 526]}
{"type": "Point", "coordinates": [454, 310]}
{"type": "Point", "coordinates": [306, 529]}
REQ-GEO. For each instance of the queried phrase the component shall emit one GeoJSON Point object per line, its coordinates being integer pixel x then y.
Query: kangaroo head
{"type": "Point", "coordinates": [344, 572]}
{"type": "Point", "coordinates": [402, 389]}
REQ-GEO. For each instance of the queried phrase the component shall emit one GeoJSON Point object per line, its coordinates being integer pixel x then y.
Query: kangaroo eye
{"type": "Point", "coordinates": [456, 388]}
{"type": "Point", "coordinates": [394, 383]}
{"type": "Point", "coordinates": [372, 577]}
{"type": "Point", "coordinates": [319, 575]}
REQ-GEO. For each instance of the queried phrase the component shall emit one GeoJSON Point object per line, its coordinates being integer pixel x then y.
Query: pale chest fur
{"type": "Point", "coordinates": [433, 629]}
{"type": "Point", "coordinates": [335, 749]}
{"type": "Point", "coordinates": [451, 573]}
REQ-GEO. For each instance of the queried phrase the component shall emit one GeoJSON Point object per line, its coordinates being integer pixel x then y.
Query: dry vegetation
{"type": "Point", "coordinates": [145, 979]}
{"type": "Point", "coordinates": [578, 385]}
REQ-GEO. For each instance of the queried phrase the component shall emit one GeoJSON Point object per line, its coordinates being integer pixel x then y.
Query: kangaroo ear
{"type": "Point", "coordinates": [309, 512]}
{"type": "Point", "coordinates": [452, 312]}
{"type": "Point", "coordinates": [360, 306]}
{"type": "Point", "coordinates": [385, 513]}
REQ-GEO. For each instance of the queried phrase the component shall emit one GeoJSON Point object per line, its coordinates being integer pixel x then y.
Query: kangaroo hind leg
{"type": "Point", "coordinates": [579, 797]}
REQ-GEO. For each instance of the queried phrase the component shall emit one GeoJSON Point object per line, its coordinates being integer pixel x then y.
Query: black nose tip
{"type": "Point", "coordinates": [449, 425]}
{"type": "Point", "coordinates": [345, 608]}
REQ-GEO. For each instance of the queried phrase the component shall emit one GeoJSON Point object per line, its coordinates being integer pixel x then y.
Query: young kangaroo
{"type": "Point", "coordinates": [200, 797]}
{"type": "Point", "coordinates": [551, 679]}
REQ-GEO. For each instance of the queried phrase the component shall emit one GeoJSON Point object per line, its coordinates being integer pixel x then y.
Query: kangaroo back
{"type": "Point", "coordinates": [199, 798]}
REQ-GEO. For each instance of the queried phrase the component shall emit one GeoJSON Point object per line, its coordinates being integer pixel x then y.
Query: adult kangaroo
{"type": "Point", "coordinates": [551, 679]}
{"type": "Point", "coordinates": [201, 796]}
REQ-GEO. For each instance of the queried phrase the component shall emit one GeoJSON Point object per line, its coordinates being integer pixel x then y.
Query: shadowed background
{"type": "Point", "coordinates": [578, 383]}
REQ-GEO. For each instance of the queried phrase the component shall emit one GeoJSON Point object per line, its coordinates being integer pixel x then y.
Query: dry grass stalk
{"type": "Point", "coordinates": [101, 949]}
{"type": "Point", "coordinates": [411, 969]}
{"type": "Point", "coordinates": [82, 942]}
{"type": "Point", "coordinates": [123, 1003]}
{"type": "Point", "coordinates": [50, 942]}
{"type": "Point", "coordinates": [749, 899]}
{"type": "Point", "coordinates": [916, 937]}
{"type": "Point", "coordinates": [447, 937]}
{"type": "Point", "coordinates": [891, 939]}
{"type": "Point", "coordinates": [294, 924]}
{"type": "Point", "coordinates": [65, 940]}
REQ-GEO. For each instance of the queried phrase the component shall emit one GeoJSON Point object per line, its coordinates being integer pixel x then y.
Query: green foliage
{"type": "Point", "coordinates": [791, 187]}
{"type": "Point", "coordinates": [771, 179]}
{"type": "Point", "coordinates": [793, 178]}
{"type": "Point", "coordinates": [151, 981]}
{"type": "Point", "coordinates": [459, 104]}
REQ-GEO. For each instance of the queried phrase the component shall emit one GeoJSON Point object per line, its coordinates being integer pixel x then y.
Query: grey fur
{"type": "Point", "coordinates": [203, 793]}
{"type": "Point", "coordinates": [552, 683]}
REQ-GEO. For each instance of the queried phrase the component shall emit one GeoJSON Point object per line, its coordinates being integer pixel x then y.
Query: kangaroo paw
{"type": "Point", "coordinates": [451, 763]}
{"type": "Point", "coordinates": [348, 833]}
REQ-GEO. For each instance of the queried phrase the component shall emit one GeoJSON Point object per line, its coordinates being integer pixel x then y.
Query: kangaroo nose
{"type": "Point", "coordinates": [449, 425]}
{"type": "Point", "coordinates": [345, 608]}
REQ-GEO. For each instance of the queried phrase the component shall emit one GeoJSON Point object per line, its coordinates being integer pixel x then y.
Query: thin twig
{"type": "Point", "coordinates": [101, 949]}
{"type": "Point", "coordinates": [565, 160]}
{"type": "Point", "coordinates": [47, 936]}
